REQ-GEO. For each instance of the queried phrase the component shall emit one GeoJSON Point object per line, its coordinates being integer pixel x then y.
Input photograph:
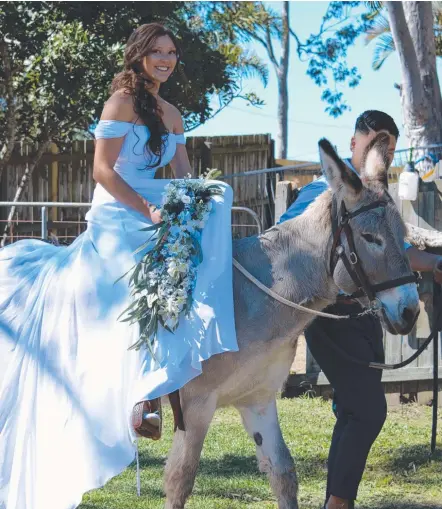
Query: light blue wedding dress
{"type": "Point", "coordinates": [69, 382]}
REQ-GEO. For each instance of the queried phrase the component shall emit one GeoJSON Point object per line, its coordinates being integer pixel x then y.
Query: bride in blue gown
{"type": "Point", "coordinates": [69, 383]}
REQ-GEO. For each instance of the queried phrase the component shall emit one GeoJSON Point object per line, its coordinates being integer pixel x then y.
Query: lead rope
{"type": "Point", "coordinates": [277, 297]}
{"type": "Point", "coordinates": [138, 468]}
{"type": "Point", "coordinates": [437, 326]}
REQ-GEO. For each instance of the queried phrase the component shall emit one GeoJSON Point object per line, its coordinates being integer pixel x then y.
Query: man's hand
{"type": "Point", "coordinates": [437, 271]}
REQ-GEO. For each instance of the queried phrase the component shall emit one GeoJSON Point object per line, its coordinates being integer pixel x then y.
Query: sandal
{"type": "Point", "coordinates": [147, 419]}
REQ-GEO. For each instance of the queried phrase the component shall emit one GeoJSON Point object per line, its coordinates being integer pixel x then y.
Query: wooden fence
{"type": "Point", "coordinates": [67, 177]}
{"type": "Point", "coordinates": [412, 383]}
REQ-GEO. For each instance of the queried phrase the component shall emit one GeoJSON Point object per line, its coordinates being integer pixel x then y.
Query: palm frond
{"type": "Point", "coordinates": [380, 26]}
{"type": "Point", "coordinates": [247, 63]}
{"type": "Point", "coordinates": [383, 49]}
{"type": "Point", "coordinates": [253, 67]}
{"type": "Point", "coordinates": [374, 8]}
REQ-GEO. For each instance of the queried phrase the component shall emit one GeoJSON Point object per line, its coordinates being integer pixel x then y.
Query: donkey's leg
{"type": "Point", "coordinates": [274, 458]}
{"type": "Point", "coordinates": [184, 456]}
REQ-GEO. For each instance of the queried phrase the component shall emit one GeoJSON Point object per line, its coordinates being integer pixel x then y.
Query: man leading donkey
{"type": "Point", "coordinates": [359, 400]}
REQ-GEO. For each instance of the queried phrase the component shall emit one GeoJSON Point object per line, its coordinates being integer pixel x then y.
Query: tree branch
{"type": "Point", "coordinates": [254, 35]}
{"type": "Point", "coordinates": [297, 39]}
{"type": "Point", "coordinates": [269, 47]}
{"type": "Point", "coordinates": [267, 43]}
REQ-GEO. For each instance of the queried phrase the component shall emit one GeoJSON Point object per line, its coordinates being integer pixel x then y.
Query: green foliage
{"type": "Point", "coordinates": [326, 52]}
{"type": "Point", "coordinates": [63, 56]}
{"type": "Point", "coordinates": [63, 87]}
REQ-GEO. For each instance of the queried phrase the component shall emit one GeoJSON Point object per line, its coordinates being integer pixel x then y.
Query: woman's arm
{"type": "Point", "coordinates": [180, 163]}
{"type": "Point", "coordinates": [119, 107]}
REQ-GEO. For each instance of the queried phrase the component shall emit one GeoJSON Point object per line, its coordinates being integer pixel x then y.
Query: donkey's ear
{"type": "Point", "coordinates": [341, 178]}
{"type": "Point", "coordinates": [375, 163]}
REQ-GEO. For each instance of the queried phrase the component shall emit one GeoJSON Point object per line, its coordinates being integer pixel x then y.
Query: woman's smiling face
{"type": "Point", "coordinates": [161, 59]}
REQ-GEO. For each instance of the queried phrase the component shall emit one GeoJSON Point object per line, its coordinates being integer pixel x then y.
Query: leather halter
{"type": "Point", "coordinates": [341, 225]}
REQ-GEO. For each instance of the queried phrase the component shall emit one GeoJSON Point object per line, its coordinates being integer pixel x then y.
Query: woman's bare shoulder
{"type": "Point", "coordinates": [119, 106]}
{"type": "Point", "coordinates": [174, 115]}
{"type": "Point", "coordinates": [170, 108]}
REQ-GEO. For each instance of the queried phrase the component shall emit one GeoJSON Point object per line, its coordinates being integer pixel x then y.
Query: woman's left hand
{"type": "Point", "coordinates": [155, 215]}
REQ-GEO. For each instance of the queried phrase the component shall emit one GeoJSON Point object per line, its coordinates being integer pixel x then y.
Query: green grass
{"type": "Point", "coordinates": [398, 474]}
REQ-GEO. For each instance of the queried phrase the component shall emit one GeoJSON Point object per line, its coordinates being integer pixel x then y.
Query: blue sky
{"type": "Point", "coordinates": [308, 121]}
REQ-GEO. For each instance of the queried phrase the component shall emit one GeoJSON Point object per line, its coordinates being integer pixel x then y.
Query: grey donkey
{"type": "Point", "coordinates": [292, 259]}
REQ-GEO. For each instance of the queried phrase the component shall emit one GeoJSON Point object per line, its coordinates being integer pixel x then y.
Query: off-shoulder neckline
{"type": "Point", "coordinates": [132, 123]}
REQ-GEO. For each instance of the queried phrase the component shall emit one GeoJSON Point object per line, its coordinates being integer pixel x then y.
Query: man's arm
{"type": "Point", "coordinates": [421, 261]}
{"type": "Point", "coordinates": [306, 196]}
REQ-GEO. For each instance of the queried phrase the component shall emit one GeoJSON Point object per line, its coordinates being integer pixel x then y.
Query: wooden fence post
{"type": "Point", "coordinates": [283, 198]}
{"type": "Point", "coordinates": [206, 156]}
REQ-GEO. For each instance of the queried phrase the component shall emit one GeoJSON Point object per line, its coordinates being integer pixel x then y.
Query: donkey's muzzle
{"type": "Point", "coordinates": [409, 318]}
{"type": "Point", "coordinates": [406, 322]}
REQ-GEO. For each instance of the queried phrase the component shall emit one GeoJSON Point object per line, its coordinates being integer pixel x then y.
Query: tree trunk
{"type": "Point", "coordinates": [282, 74]}
{"type": "Point", "coordinates": [24, 180]}
{"type": "Point", "coordinates": [412, 29]}
{"type": "Point", "coordinates": [9, 137]}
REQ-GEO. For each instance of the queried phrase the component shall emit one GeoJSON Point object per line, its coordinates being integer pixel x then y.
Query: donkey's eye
{"type": "Point", "coordinates": [371, 239]}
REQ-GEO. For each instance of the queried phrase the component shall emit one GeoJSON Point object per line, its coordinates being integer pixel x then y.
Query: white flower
{"type": "Point", "coordinates": [186, 199]}
{"type": "Point", "coordinates": [178, 248]}
{"type": "Point", "coordinates": [177, 267]}
{"type": "Point", "coordinates": [172, 269]}
{"type": "Point", "coordinates": [151, 298]}
{"type": "Point", "coordinates": [170, 305]}
{"type": "Point", "coordinates": [181, 300]}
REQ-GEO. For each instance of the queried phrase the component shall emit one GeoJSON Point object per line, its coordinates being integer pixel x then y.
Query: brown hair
{"type": "Point", "coordinates": [135, 83]}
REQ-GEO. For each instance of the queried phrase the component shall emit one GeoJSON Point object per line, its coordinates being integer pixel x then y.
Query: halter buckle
{"type": "Point", "coordinates": [353, 258]}
{"type": "Point", "coordinates": [375, 305]}
{"type": "Point", "coordinates": [344, 219]}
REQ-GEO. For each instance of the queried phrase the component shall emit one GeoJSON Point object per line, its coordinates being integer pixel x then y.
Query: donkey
{"type": "Point", "coordinates": [292, 259]}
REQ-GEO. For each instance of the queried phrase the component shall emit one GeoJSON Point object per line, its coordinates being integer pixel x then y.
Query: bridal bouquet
{"type": "Point", "coordinates": [163, 281]}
